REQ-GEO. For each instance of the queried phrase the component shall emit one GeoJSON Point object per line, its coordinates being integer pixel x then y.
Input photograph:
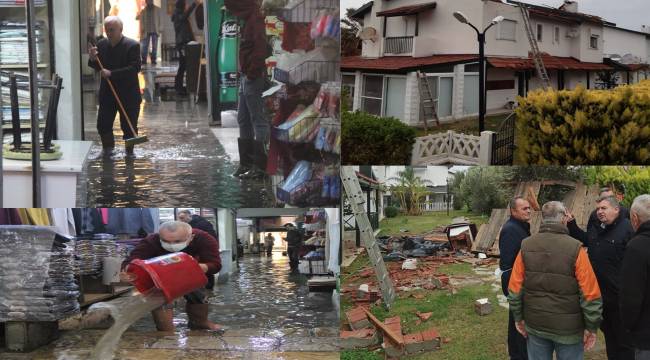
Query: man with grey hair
{"type": "Point", "coordinates": [516, 229]}
{"type": "Point", "coordinates": [177, 236]}
{"type": "Point", "coordinates": [635, 279]}
{"type": "Point", "coordinates": [553, 292]}
{"type": "Point", "coordinates": [606, 239]}
{"type": "Point", "coordinates": [120, 57]}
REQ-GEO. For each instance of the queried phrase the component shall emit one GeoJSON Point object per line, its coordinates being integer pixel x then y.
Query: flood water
{"type": "Point", "coordinates": [183, 163]}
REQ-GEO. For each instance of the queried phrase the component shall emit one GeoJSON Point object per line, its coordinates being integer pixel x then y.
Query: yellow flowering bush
{"type": "Point", "coordinates": [576, 127]}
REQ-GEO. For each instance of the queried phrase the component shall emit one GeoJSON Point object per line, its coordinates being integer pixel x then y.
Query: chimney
{"type": "Point", "coordinates": [570, 6]}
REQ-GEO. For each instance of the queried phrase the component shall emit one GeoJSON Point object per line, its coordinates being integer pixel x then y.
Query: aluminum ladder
{"type": "Point", "coordinates": [427, 104]}
{"type": "Point", "coordinates": [537, 55]}
{"type": "Point", "coordinates": [356, 199]}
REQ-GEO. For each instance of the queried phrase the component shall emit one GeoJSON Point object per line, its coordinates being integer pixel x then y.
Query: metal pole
{"type": "Point", "coordinates": [481, 80]}
{"type": "Point", "coordinates": [33, 103]}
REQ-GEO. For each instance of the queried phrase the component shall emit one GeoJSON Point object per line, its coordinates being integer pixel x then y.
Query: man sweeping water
{"type": "Point", "coordinates": [117, 58]}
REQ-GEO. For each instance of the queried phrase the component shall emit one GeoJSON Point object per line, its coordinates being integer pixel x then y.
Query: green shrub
{"type": "Point", "coordinates": [391, 211]}
{"type": "Point", "coordinates": [482, 189]}
{"type": "Point", "coordinates": [581, 127]}
{"type": "Point", "coordinates": [367, 139]}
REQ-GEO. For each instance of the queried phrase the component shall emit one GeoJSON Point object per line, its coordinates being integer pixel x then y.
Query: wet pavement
{"type": "Point", "coordinates": [269, 314]}
{"type": "Point", "coordinates": [183, 162]}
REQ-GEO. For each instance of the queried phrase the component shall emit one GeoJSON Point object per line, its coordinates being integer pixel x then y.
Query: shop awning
{"type": "Point", "coordinates": [401, 62]}
{"type": "Point", "coordinates": [407, 10]}
{"type": "Point", "coordinates": [550, 62]}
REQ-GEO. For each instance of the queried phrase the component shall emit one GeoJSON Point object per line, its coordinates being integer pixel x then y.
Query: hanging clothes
{"type": "Point", "coordinates": [63, 221]}
{"type": "Point", "coordinates": [155, 215]}
{"type": "Point", "coordinates": [31, 216]}
{"type": "Point", "coordinates": [10, 217]}
{"type": "Point", "coordinates": [88, 221]}
{"type": "Point", "coordinates": [104, 212]}
{"type": "Point", "coordinates": [130, 221]}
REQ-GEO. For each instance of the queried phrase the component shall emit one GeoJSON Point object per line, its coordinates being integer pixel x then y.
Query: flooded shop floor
{"type": "Point", "coordinates": [268, 314]}
{"type": "Point", "coordinates": [183, 162]}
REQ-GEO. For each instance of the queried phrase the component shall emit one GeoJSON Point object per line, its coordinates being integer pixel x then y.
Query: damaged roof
{"type": "Point", "coordinates": [550, 62]}
{"type": "Point", "coordinates": [560, 14]}
{"type": "Point", "coordinates": [401, 62]}
{"type": "Point", "coordinates": [361, 12]}
{"type": "Point", "coordinates": [407, 10]}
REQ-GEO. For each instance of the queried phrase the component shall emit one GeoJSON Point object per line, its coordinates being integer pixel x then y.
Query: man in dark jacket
{"type": "Point", "coordinates": [512, 233]}
{"type": "Point", "coordinates": [635, 279]}
{"type": "Point", "coordinates": [177, 236]}
{"type": "Point", "coordinates": [253, 124]}
{"type": "Point", "coordinates": [121, 59]}
{"type": "Point", "coordinates": [554, 294]}
{"type": "Point", "coordinates": [294, 242]}
{"type": "Point", "coordinates": [606, 240]}
{"type": "Point", "coordinates": [184, 35]}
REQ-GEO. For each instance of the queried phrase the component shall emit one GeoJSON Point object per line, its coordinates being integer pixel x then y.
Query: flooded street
{"type": "Point", "coordinates": [183, 163]}
{"type": "Point", "coordinates": [268, 314]}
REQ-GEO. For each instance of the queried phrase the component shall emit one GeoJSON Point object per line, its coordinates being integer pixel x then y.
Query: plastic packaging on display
{"type": "Point", "coordinates": [37, 280]}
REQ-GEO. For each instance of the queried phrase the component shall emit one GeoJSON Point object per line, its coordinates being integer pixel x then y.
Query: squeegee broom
{"type": "Point", "coordinates": [136, 139]}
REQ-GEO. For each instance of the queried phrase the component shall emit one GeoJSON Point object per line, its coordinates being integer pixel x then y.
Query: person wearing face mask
{"type": "Point", "coordinates": [606, 239]}
{"type": "Point", "coordinates": [177, 236]}
{"type": "Point", "coordinates": [635, 279]}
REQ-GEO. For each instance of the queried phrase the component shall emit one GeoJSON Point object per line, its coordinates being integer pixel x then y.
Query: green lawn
{"type": "Point", "coordinates": [466, 126]}
{"type": "Point", "coordinates": [425, 222]}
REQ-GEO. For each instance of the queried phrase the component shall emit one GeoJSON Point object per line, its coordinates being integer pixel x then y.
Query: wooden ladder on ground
{"type": "Point", "coordinates": [537, 55]}
{"type": "Point", "coordinates": [427, 104]}
{"type": "Point", "coordinates": [356, 199]}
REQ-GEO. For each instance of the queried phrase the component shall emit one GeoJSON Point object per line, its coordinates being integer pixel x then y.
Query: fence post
{"type": "Point", "coordinates": [415, 154]}
{"type": "Point", "coordinates": [485, 148]}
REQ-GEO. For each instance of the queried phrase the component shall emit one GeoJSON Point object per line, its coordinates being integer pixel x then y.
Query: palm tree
{"type": "Point", "coordinates": [410, 190]}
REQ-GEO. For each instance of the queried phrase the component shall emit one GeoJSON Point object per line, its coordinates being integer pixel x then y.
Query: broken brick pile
{"type": "Point", "coordinates": [395, 343]}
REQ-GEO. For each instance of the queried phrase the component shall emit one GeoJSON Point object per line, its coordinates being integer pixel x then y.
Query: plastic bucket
{"type": "Point", "coordinates": [174, 274]}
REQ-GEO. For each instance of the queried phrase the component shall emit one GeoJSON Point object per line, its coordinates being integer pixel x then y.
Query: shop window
{"type": "Point", "coordinates": [593, 42]}
{"type": "Point", "coordinates": [508, 30]}
{"type": "Point", "coordinates": [540, 32]}
{"type": "Point", "coordinates": [371, 98]}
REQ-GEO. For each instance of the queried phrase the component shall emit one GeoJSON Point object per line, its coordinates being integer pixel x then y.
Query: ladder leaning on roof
{"type": "Point", "coordinates": [429, 111]}
{"type": "Point", "coordinates": [537, 55]}
{"type": "Point", "coordinates": [356, 199]}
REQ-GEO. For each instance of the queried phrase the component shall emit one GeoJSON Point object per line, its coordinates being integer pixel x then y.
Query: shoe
{"type": "Point", "coordinates": [164, 319]}
{"type": "Point", "coordinates": [253, 174]}
{"type": "Point", "coordinates": [198, 318]}
{"type": "Point", "coordinates": [260, 157]}
{"type": "Point", "coordinates": [245, 156]}
{"type": "Point", "coordinates": [108, 144]}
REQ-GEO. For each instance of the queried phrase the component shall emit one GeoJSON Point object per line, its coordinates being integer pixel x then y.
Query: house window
{"type": "Point", "coordinates": [540, 31]}
{"type": "Point", "coordinates": [557, 34]}
{"type": "Point", "coordinates": [347, 84]}
{"type": "Point", "coordinates": [395, 96]}
{"type": "Point", "coordinates": [373, 90]}
{"type": "Point", "coordinates": [508, 30]}
{"type": "Point", "coordinates": [593, 41]}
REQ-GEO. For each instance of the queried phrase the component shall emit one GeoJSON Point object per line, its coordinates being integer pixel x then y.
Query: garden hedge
{"type": "Point", "coordinates": [367, 139]}
{"type": "Point", "coordinates": [590, 127]}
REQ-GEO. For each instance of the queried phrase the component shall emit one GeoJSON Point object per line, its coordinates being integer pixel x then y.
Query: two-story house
{"type": "Point", "coordinates": [423, 36]}
{"type": "Point", "coordinates": [628, 51]}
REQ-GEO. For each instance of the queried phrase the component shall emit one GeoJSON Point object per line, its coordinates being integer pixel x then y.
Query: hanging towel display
{"type": "Point", "coordinates": [130, 221]}
{"type": "Point", "coordinates": [38, 217]}
{"type": "Point", "coordinates": [10, 217]}
{"type": "Point", "coordinates": [63, 221]}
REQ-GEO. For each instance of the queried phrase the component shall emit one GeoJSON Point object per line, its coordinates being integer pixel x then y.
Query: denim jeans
{"type": "Point", "coordinates": [542, 349]}
{"type": "Point", "coordinates": [144, 47]}
{"type": "Point", "coordinates": [250, 110]}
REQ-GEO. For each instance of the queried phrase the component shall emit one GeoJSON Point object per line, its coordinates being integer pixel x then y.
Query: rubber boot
{"type": "Point", "coordinates": [164, 319]}
{"type": "Point", "coordinates": [245, 156]}
{"type": "Point", "coordinates": [260, 157]}
{"type": "Point", "coordinates": [198, 318]}
{"type": "Point", "coordinates": [108, 143]}
{"type": "Point", "coordinates": [129, 150]}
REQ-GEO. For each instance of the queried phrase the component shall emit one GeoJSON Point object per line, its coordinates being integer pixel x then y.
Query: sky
{"type": "Point", "coordinates": [629, 14]}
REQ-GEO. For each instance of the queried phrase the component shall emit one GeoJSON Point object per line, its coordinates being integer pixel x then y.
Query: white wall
{"type": "Point", "coordinates": [621, 42]}
{"type": "Point", "coordinates": [587, 54]}
{"type": "Point", "coordinates": [497, 99]}
{"type": "Point", "coordinates": [563, 47]}
{"type": "Point", "coordinates": [67, 61]}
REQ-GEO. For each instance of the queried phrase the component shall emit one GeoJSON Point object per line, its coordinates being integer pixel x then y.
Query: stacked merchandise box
{"type": "Point", "coordinates": [314, 259]}
{"type": "Point", "coordinates": [305, 142]}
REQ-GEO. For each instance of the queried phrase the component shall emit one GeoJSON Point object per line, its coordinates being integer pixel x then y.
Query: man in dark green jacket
{"type": "Point", "coordinates": [553, 292]}
{"type": "Point", "coordinates": [635, 279]}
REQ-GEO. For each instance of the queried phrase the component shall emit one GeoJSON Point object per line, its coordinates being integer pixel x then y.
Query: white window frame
{"type": "Point", "coordinates": [540, 32]}
{"type": "Point", "coordinates": [556, 34]}
{"type": "Point", "coordinates": [514, 34]}
{"type": "Point", "coordinates": [363, 91]}
{"type": "Point", "coordinates": [591, 37]}
{"type": "Point", "coordinates": [384, 89]}
{"type": "Point", "coordinates": [453, 95]}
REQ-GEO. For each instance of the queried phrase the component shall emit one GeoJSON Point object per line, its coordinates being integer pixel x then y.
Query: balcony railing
{"type": "Point", "coordinates": [398, 45]}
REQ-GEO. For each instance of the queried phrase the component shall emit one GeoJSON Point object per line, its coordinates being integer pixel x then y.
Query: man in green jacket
{"type": "Point", "coordinates": [553, 292]}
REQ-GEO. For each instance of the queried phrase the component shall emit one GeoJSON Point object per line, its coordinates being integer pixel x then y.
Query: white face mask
{"type": "Point", "coordinates": [174, 247]}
